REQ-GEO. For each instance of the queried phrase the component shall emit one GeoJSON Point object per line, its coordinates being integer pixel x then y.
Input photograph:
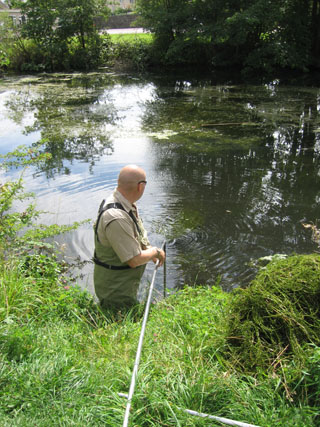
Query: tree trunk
{"type": "Point", "coordinates": [316, 32]}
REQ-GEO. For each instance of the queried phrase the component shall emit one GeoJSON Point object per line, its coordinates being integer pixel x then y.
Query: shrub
{"type": "Point", "coordinates": [122, 11]}
{"type": "Point", "coordinates": [31, 266]}
{"type": "Point", "coordinates": [135, 55]}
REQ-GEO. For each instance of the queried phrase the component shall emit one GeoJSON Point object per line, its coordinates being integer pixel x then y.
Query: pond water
{"type": "Point", "coordinates": [233, 170]}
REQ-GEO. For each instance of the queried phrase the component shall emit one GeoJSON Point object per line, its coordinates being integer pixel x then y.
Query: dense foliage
{"type": "Point", "coordinates": [25, 49]}
{"type": "Point", "coordinates": [22, 236]}
{"type": "Point", "coordinates": [61, 34]}
{"type": "Point", "coordinates": [264, 35]}
{"type": "Point", "coordinates": [260, 34]}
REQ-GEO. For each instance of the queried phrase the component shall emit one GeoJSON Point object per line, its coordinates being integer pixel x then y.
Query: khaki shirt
{"type": "Point", "coordinates": [116, 229]}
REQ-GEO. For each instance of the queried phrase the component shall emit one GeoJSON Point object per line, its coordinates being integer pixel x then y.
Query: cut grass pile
{"type": "Point", "coordinates": [278, 314]}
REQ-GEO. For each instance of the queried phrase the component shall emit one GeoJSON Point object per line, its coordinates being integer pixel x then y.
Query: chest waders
{"type": "Point", "coordinates": [116, 283]}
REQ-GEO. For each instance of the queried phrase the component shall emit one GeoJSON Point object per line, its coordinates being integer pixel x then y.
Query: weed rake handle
{"type": "Point", "coordinates": [138, 354]}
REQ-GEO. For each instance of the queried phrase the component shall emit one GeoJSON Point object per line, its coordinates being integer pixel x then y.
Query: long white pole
{"type": "Point", "coordinates": [139, 348]}
{"type": "Point", "coordinates": [220, 419]}
{"type": "Point", "coordinates": [211, 417]}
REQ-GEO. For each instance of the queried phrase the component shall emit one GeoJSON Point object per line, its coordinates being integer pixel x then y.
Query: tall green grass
{"type": "Point", "coordinates": [64, 361]}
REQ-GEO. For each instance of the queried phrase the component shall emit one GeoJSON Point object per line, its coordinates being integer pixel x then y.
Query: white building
{"type": "Point", "coordinates": [14, 14]}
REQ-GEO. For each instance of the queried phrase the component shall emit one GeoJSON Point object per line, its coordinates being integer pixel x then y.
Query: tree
{"type": "Point", "coordinates": [263, 34]}
{"type": "Point", "coordinates": [53, 24]}
{"type": "Point", "coordinates": [178, 32]}
{"type": "Point", "coordinates": [11, 43]}
{"type": "Point", "coordinates": [77, 17]}
{"type": "Point", "coordinates": [315, 30]}
{"type": "Point", "coordinates": [5, 40]}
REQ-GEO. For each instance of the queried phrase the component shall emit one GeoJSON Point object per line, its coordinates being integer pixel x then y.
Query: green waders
{"type": "Point", "coordinates": [115, 288]}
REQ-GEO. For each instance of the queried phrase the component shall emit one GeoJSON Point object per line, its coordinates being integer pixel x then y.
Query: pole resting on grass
{"type": "Point", "coordinates": [138, 354]}
{"type": "Point", "coordinates": [220, 419]}
{"type": "Point", "coordinates": [210, 417]}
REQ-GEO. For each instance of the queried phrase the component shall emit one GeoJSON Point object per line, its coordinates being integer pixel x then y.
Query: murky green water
{"type": "Point", "coordinates": [233, 170]}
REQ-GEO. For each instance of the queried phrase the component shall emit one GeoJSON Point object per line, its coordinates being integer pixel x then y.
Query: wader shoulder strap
{"type": "Point", "coordinates": [114, 205]}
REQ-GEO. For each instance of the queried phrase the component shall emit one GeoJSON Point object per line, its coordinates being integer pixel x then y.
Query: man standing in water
{"type": "Point", "coordinates": [122, 248]}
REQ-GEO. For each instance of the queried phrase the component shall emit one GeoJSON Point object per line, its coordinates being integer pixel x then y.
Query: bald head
{"type": "Point", "coordinates": [128, 182]}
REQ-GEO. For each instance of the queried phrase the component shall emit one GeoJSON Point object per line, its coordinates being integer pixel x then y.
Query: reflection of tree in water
{"type": "Point", "coordinates": [250, 202]}
{"type": "Point", "coordinates": [72, 118]}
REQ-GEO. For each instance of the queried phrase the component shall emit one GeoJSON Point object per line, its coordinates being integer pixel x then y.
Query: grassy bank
{"type": "Point", "coordinates": [252, 355]}
{"type": "Point", "coordinates": [132, 38]}
{"type": "Point", "coordinates": [132, 51]}
{"type": "Point", "coordinates": [63, 362]}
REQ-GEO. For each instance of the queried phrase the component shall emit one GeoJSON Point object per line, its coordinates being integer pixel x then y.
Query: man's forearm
{"type": "Point", "coordinates": [147, 255]}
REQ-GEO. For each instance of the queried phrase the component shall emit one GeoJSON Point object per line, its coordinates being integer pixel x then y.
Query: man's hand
{"type": "Point", "coordinates": [161, 256]}
{"type": "Point", "coordinates": [152, 253]}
